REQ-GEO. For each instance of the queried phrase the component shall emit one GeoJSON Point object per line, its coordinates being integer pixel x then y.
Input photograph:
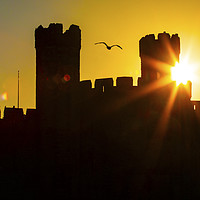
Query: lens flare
{"type": "Point", "coordinates": [67, 77]}
{"type": "Point", "coordinates": [4, 96]}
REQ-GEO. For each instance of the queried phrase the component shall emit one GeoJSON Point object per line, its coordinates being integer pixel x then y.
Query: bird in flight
{"type": "Point", "coordinates": [109, 47]}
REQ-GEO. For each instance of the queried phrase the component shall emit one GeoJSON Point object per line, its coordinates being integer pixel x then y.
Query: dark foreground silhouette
{"type": "Point", "coordinates": [107, 142]}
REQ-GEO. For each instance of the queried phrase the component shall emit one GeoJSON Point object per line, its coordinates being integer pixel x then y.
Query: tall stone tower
{"type": "Point", "coordinates": [157, 56]}
{"type": "Point", "coordinates": [57, 66]}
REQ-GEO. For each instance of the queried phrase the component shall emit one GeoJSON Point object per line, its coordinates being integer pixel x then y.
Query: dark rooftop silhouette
{"type": "Point", "coordinates": [107, 142]}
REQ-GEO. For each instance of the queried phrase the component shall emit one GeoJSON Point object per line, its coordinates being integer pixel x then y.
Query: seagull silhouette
{"type": "Point", "coordinates": [109, 47]}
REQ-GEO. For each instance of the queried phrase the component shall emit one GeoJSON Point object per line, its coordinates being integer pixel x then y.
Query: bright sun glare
{"type": "Point", "coordinates": [182, 72]}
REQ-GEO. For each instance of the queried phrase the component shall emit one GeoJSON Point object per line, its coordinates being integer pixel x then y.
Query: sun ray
{"type": "Point", "coordinates": [156, 141]}
{"type": "Point", "coordinates": [151, 86]}
{"type": "Point", "coordinates": [162, 125]}
{"type": "Point", "coordinates": [157, 65]}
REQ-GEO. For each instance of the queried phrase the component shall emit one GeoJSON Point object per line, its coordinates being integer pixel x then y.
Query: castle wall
{"type": "Point", "coordinates": [106, 142]}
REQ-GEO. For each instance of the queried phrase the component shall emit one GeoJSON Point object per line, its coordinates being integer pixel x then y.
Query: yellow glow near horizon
{"type": "Point", "coordinates": [182, 72]}
{"type": "Point", "coordinates": [4, 96]}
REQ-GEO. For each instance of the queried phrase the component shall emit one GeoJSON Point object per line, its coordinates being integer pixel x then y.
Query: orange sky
{"type": "Point", "coordinates": [121, 22]}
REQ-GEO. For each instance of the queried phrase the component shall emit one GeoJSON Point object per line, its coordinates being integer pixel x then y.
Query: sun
{"type": "Point", "coordinates": [182, 72]}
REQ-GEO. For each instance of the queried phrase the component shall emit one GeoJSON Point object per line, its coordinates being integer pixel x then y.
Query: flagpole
{"type": "Point", "coordinates": [18, 91]}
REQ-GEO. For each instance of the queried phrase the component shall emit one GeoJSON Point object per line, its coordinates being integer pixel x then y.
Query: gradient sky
{"type": "Point", "coordinates": [113, 21]}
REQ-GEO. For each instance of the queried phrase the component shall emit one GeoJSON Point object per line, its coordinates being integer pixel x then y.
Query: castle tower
{"type": "Point", "coordinates": [57, 65]}
{"type": "Point", "coordinates": [157, 56]}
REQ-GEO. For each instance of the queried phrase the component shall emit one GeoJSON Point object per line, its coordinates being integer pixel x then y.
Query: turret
{"type": "Point", "coordinates": [57, 65]}
{"type": "Point", "coordinates": [157, 56]}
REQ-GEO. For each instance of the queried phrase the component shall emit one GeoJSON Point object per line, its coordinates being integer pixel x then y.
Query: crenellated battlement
{"type": "Point", "coordinates": [150, 46]}
{"type": "Point", "coordinates": [166, 48]}
{"type": "Point", "coordinates": [53, 35]}
{"type": "Point", "coordinates": [124, 86]}
{"type": "Point", "coordinates": [107, 84]}
{"type": "Point", "coordinates": [158, 55]}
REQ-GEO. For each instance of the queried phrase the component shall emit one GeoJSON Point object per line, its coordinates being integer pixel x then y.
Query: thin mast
{"type": "Point", "coordinates": [18, 91]}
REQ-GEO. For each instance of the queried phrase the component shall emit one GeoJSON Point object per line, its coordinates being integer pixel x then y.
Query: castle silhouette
{"type": "Point", "coordinates": [106, 142]}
